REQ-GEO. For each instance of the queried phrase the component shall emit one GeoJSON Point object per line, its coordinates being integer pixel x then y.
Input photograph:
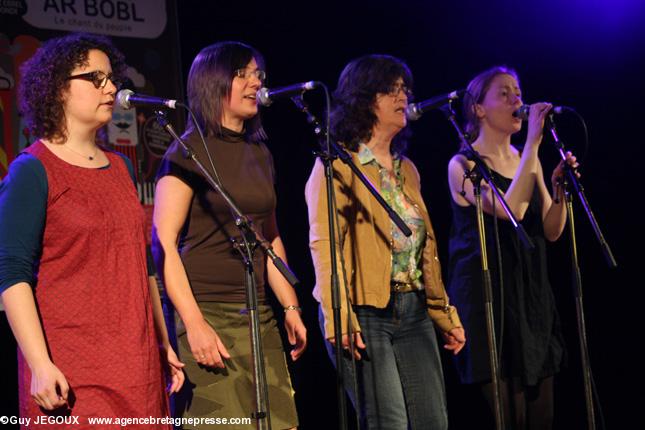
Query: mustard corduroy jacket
{"type": "Point", "coordinates": [365, 238]}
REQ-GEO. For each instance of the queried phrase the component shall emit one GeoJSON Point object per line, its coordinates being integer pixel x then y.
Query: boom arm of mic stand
{"type": "Point", "coordinates": [347, 159]}
{"type": "Point", "coordinates": [573, 180]}
{"type": "Point", "coordinates": [482, 169]}
{"type": "Point", "coordinates": [241, 220]}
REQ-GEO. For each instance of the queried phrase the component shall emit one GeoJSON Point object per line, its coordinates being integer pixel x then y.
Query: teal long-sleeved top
{"type": "Point", "coordinates": [23, 210]}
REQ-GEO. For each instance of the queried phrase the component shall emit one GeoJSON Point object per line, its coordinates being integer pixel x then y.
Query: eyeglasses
{"type": "Point", "coordinates": [395, 89]}
{"type": "Point", "coordinates": [247, 73]}
{"type": "Point", "coordinates": [98, 78]}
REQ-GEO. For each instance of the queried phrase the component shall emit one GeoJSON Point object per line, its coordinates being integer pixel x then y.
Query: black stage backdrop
{"type": "Point", "coordinates": [588, 55]}
{"type": "Point", "coordinates": [585, 54]}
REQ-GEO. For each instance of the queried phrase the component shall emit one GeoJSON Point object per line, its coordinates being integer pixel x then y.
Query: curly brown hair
{"type": "Point", "coordinates": [352, 116]}
{"type": "Point", "coordinates": [43, 79]}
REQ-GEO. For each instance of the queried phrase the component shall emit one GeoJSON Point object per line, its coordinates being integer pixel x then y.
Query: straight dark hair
{"type": "Point", "coordinates": [352, 117]}
{"type": "Point", "coordinates": [209, 86]}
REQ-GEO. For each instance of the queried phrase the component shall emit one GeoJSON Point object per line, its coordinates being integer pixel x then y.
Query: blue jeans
{"type": "Point", "coordinates": [400, 379]}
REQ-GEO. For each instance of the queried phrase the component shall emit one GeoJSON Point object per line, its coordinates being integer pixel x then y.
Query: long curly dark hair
{"type": "Point", "coordinates": [352, 117]}
{"type": "Point", "coordinates": [43, 80]}
{"type": "Point", "coordinates": [209, 85]}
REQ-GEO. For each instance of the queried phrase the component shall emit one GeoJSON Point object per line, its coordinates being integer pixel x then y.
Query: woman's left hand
{"type": "Point", "coordinates": [296, 333]}
{"type": "Point", "coordinates": [558, 172]}
{"type": "Point", "coordinates": [455, 339]}
{"type": "Point", "coordinates": [175, 371]}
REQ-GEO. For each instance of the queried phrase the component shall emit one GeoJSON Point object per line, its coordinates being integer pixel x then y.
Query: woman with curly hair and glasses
{"type": "Point", "coordinates": [203, 274]}
{"type": "Point", "coordinates": [73, 274]}
{"type": "Point", "coordinates": [392, 282]}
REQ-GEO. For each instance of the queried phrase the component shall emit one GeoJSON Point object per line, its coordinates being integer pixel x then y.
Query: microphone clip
{"type": "Point", "coordinates": [300, 103]}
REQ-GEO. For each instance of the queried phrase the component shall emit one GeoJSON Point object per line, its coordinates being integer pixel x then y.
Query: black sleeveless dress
{"type": "Point", "coordinates": [528, 330]}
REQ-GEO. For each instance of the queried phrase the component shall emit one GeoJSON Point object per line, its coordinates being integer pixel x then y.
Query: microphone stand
{"type": "Point", "coordinates": [327, 157]}
{"type": "Point", "coordinates": [340, 153]}
{"type": "Point", "coordinates": [572, 179]}
{"type": "Point", "coordinates": [335, 284]}
{"type": "Point", "coordinates": [476, 175]}
{"type": "Point", "coordinates": [250, 239]}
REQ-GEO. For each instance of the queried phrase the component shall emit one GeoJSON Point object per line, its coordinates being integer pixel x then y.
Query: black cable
{"type": "Point", "coordinates": [594, 389]}
{"type": "Point", "coordinates": [586, 132]}
{"type": "Point", "coordinates": [203, 139]}
{"type": "Point", "coordinates": [498, 252]}
{"type": "Point", "coordinates": [601, 415]}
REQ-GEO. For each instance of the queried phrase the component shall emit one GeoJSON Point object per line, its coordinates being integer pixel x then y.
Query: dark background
{"type": "Point", "coordinates": [586, 54]}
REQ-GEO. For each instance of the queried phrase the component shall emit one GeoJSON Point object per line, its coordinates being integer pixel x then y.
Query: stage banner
{"type": "Point", "coordinates": [147, 34]}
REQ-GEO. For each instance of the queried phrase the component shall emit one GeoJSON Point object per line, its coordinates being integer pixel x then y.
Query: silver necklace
{"type": "Point", "coordinates": [89, 157]}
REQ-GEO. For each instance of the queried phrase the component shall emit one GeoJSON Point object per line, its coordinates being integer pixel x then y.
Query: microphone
{"type": "Point", "coordinates": [266, 96]}
{"type": "Point", "coordinates": [127, 98]}
{"type": "Point", "coordinates": [415, 110]}
{"type": "Point", "coordinates": [523, 111]}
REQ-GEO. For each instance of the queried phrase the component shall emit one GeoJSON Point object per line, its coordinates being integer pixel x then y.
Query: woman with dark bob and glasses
{"type": "Point", "coordinates": [531, 348]}
{"type": "Point", "coordinates": [393, 282]}
{"type": "Point", "coordinates": [73, 274]}
{"type": "Point", "coordinates": [203, 274]}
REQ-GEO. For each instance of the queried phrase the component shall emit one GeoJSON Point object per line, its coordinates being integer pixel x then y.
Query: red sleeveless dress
{"type": "Point", "coordinates": [93, 297]}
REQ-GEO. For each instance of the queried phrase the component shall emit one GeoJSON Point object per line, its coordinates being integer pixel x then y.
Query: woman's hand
{"type": "Point", "coordinates": [296, 333]}
{"type": "Point", "coordinates": [537, 115]}
{"type": "Point", "coordinates": [558, 172]}
{"type": "Point", "coordinates": [455, 339]}
{"type": "Point", "coordinates": [49, 388]}
{"type": "Point", "coordinates": [205, 344]}
{"type": "Point", "coordinates": [358, 344]}
{"type": "Point", "coordinates": [174, 368]}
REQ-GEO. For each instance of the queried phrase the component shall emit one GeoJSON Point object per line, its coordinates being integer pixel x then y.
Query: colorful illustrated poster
{"type": "Point", "coordinates": [144, 30]}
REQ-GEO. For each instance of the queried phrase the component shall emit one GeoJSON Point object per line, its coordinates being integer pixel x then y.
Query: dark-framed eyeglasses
{"type": "Point", "coordinates": [395, 89]}
{"type": "Point", "coordinates": [98, 78]}
{"type": "Point", "coordinates": [247, 73]}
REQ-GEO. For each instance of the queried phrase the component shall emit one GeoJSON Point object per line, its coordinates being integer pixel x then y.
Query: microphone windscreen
{"type": "Point", "coordinates": [412, 112]}
{"type": "Point", "coordinates": [262, 96]}
{"type": "Point", "coordinates": [123, 98]}
{"type": "Point", "coordinates": [523, 112]}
